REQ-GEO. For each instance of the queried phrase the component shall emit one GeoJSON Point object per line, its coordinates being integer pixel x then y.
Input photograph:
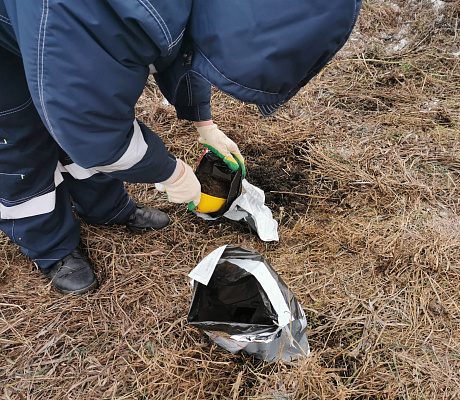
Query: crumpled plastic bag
{"type": "Point", "coordinates": [245, 202]}
{"type": "Point", "coordinates": [250, 207]}
{"type": "Point", "coordinates": [242, 304]}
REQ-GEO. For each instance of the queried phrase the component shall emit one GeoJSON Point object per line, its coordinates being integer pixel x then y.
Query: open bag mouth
{"type": "Point", "coordinates": [218, 182]}
{"type": "Point", "coordinates": [233, 302]}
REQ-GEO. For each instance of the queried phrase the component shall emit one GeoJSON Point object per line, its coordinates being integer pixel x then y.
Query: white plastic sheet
{"type": "Point", "coordinates": [250, 207]}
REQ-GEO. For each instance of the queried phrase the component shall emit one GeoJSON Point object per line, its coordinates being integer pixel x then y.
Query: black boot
{"type": "Point", "coordinates": [143, 219]}
{"type": "Point", "coordinates": [72, 274]}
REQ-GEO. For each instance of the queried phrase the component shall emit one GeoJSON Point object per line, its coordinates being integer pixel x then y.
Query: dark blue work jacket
{"type": "Point", "coordinates": [87, 61]}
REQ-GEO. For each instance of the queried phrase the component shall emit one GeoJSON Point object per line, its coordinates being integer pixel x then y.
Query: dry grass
{"type": "Point", "coordinates": [361, 170]}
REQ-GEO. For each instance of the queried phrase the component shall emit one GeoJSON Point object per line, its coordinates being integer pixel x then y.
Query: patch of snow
{"type": "Point", "coordinates": [457, 54]}
{"type": "Point", "coordinates": [431, 105]}
{"type": "Point", "coordinates": [346, 154]}
{"type": "Point", "coordinates": [438, 4]}
{"type": "Point", "coordinates": [402, 43]}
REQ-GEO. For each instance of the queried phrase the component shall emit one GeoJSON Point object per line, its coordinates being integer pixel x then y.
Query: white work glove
{"type": "Point", "coordinates": [186, 188]}
{"type": "Point", "coordinates": [216, 141]}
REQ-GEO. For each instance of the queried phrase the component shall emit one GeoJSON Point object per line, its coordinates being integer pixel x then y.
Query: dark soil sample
{"type": "Point", "coordinates": [213, 186]}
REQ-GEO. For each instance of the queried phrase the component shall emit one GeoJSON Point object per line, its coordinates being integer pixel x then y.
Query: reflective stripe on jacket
{"type": "Point", "coordinates": [87, 61]}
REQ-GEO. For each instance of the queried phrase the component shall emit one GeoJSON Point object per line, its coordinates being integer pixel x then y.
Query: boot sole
{"type": "Point", "coordinates": [92, 286]}
{"type": "Point", "coordinates": [145, 230]}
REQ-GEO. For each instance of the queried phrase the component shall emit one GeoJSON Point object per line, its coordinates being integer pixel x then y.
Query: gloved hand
{"type": "Point", "coordinates": [216, 141]}
{"type": "Point", "coordinates": [185, 189]}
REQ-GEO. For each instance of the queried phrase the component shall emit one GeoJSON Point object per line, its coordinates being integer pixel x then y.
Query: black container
{"type": "Point", "coordinates": [212, 165]}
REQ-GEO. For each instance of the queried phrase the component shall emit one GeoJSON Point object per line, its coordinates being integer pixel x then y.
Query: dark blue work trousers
{"type": "Point", "coordinates": [38, 180]}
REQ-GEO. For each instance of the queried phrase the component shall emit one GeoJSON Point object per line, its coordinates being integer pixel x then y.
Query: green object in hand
{"type": "Point", "coordinates": [191, 206]}
{"type": "Point", "coordinates": [233, 160]}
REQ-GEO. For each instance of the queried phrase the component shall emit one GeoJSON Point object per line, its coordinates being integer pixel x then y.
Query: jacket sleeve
{"type": "Point", "coordinates": [193, 98]}
{"type": "Point", "coordinates": [187, 90]}
{"type": "Point", "coordinates": [86, 69]}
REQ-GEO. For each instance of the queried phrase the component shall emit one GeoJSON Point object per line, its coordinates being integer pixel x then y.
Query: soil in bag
{"type": "Point", "coordinates": [219, 181]}
{"type": "Point", "coordinates": [214, 186]}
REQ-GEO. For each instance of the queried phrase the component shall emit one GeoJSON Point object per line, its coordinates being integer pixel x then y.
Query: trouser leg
{"type": "Point", "coordinates": [35, 209]}
{"type": "Point", "coordinates": [98, 198]}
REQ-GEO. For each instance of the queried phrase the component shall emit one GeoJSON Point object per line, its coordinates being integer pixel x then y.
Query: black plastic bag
{"type": "Point", "coordinates": [212, 166]}
{"type": "Point", "coordinates": [242, 304]}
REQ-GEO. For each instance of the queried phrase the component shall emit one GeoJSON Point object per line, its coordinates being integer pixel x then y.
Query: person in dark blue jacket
{"type": "Point", "coordinates": [70, 77]}
{"type": "Point", "coordinates": [71, 73]}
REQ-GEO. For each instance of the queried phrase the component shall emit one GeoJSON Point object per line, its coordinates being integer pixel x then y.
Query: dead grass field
{"type": "Point", "coordinates": [362, 172]}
